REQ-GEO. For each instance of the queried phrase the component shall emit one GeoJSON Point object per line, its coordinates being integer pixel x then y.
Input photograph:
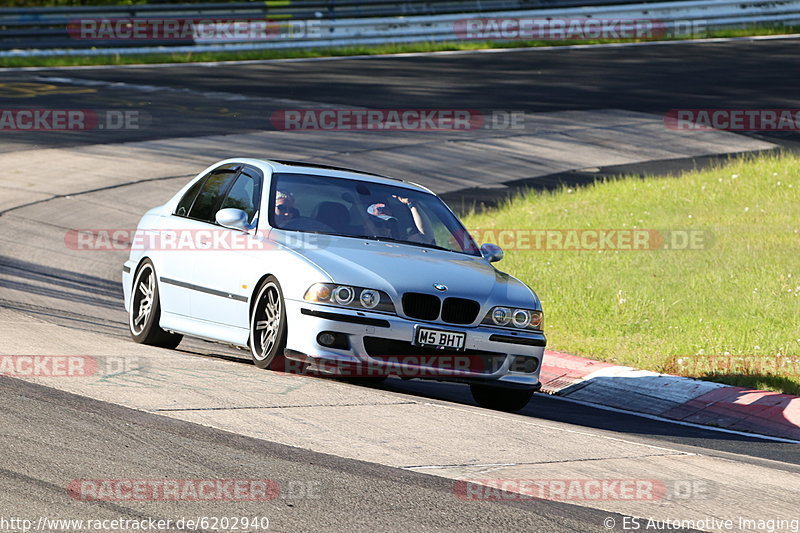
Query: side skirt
{"type": "Point", "coordinates": [210, 331]}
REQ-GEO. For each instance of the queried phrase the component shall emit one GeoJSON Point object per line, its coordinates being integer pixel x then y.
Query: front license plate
{"type": "Point", "coordinates": [440, 339]}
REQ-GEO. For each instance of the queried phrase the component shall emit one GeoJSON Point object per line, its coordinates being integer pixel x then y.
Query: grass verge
{"type": "Point", "coordinates": [194, 57]}
{"type": "Point", "coordinates": [724, 308]}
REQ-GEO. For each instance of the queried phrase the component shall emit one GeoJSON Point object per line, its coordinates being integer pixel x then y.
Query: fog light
{"type": "Point", "coordinates": [527, 365]}
{"type": "Point", "coordinates": [331, 339]}
{"type": "Point", "coordinates": [326, 338]}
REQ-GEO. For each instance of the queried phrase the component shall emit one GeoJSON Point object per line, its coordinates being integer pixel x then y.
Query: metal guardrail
{"type": "Point", "coordinates": [52, 31]}
{"type": "Point", "coordinates": [281, 9]}
{"type": "Point", "coordinates": [48, 27]}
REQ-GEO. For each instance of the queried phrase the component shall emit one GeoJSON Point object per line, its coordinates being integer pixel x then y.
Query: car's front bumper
{"type": "Point", "coordinates": [491, 355]}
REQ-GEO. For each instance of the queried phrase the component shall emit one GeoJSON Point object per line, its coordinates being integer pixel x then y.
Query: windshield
{"type": "Point", "coordinates": [353, 208]}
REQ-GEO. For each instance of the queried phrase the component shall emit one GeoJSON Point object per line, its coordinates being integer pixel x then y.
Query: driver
{"type": "Point", "coordinates": [420, 220]}
{"type": "Point", "coordinates": [384, 212]}
{"type": "Point", "coordinates": [284, 208]}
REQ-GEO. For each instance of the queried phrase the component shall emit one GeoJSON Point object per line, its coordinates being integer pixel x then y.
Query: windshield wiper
{"type": "Point", "coordinates": [412, 243]}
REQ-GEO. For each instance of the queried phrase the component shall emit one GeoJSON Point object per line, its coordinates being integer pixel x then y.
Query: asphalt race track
{"type": "Point", "coordinates": [346, 456]}
{"type": "Point", "coordinates": [207, 100]}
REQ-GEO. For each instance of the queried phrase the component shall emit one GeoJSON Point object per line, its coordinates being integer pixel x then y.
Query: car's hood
{"type": "Point", "coordinates": [398, 268]}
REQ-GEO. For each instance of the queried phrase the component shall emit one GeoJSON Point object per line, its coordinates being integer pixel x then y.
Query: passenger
{"type": "Point", "coordinates": [284, 208]}
{"type": "Point", "coordinates": [382, 211]}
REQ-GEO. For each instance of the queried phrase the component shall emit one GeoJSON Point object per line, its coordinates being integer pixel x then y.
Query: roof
{"type": "Point", "coordinates": [321, 169]}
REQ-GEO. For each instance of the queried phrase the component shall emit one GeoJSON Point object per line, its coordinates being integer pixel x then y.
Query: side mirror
{"type": "Point", "coordinates": [491, 252]}
{"type": "Point", "coordinates": [233, 219]}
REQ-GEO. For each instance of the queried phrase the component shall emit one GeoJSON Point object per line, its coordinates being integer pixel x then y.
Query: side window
{"type": "Point", "coordinates": [186, 202]}
{"type": "Point", "coordinates": [245, 194]}
{"type": "Point", "coordinates": [205, 206]}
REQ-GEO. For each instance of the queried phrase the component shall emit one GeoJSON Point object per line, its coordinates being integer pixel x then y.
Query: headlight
{"type": "Point", "coordinates": [521, 318]}
{"type": "Point", "coordinates": [537, 320]}
{"type": "Point", "coordinates": [343, 295]}
{"type": "Point", "coordinates": [513, 318]}
{"type": "Point", "coordinates": [318, 293]}
{"type": "Point", "coordinates": [369, 298]}
{"type": "Point", "coordinates": [348, 296]}
{"type": "Point", "coordinates": [501, 316]}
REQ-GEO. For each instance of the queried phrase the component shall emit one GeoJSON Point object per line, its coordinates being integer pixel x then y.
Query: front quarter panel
{"type": "Point", "coordinates": [511, 291]}
{"type": "Point", "coordinates": [294, 272]}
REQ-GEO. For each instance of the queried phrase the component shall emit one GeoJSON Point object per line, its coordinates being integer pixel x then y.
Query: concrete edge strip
{"type": "Point", "coordinates": [664, 396]}
{"type": "Point", "coordinates": [672, 421]}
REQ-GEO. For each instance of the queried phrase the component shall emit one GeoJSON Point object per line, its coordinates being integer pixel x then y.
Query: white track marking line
{"type": "Point", "coordinates": [214, 95]}
{"type": "Point", "coordinates": [497, 465]}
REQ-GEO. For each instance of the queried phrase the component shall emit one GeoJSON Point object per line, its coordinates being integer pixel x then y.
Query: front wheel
{"type": "Point", "coordinates": [499, 398]}
{"type": "Point", "coordinates": [145, 312]}
{"type": "Point", "coordinates": [268, 326]}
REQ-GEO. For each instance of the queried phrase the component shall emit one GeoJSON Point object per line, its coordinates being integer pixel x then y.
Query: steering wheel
{"type": "Point", "coordinates": [307, 224]}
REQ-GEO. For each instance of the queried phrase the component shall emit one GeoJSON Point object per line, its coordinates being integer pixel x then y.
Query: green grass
{"type": "Point", "coordinates": [190, 57]}
{"type": "Point", "coordinates": [740, 295]}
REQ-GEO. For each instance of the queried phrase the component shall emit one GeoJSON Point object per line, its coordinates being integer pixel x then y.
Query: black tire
{"type": "Point", "coordinates": [268, 338]}
{"type": "Point", "coordinates": [499, 398]}
{"type": "Point", "coordinates": [143, 322]}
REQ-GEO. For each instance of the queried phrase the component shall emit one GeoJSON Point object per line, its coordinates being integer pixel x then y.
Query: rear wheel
{"type": "Point", "coordinates": [145, 311]}
{"type": "Point", "coordinates": [499, 398]}
{"type": "Point", "coordinates": [268, 326]}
